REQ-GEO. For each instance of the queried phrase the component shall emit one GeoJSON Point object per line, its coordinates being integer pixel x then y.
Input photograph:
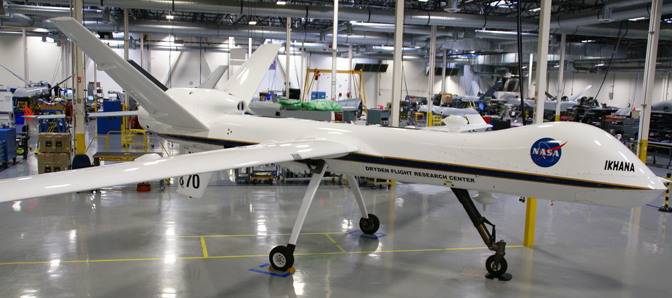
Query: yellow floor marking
{"type": "Point", "coordinates": [259, 235]}
{"type": "Point", "coordinates": [334, 242]}
{"type": "Point", "coordinates": [207, 256]}
{"type": "Point", "coordinates": [205, 249]}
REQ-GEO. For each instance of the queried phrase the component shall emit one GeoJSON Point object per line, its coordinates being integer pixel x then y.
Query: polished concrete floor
{"type": "Point", "coordinates": [121, 243]}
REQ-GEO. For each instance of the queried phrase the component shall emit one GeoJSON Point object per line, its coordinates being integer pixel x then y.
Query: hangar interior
{"type": "Point", "coordinates": [116, 241]}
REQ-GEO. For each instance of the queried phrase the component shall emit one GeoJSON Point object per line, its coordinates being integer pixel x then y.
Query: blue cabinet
{"type": "Point", "coordinates": [106, 124]}
{"type": "Point", "coordinates": [8, 135]}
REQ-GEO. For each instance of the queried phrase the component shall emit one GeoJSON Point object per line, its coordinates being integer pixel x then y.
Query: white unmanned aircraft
{"type": "Point", "coordinates": [565, 161]}
{"type": "Point", "coordinates": [549, 105]}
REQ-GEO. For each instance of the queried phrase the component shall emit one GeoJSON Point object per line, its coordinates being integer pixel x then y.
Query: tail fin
{"type": "Point", "coordinates": [248, 78]}
{"type": "Point", "coordinates": [575, 97]}
{"type": "Point", "coordinates": [475, 90]}
{"type": "Point", "coordinates": [214, 77]}
{"type": "Point", "coordinates": [153, 99]}
{"type": "Point", "coordinates": [491, 91]}
{"type": "Point", "coordinates": [551, 97]}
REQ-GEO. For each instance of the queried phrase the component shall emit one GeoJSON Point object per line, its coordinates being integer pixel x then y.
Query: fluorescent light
{"type": "Point", "coordinates": [535, 9]}
{"type": "Point", "coordinates": [587, 40]}
{"type": "Point", "coordinates": [281, 2]}
{"type": "Point", "coordinates": [423, 0]}
{"type": "Point", "coordinates": [252, 23]}
{"type": "Point", "coordinates": [601, 64]}
{"type": "Point", "coordinates": [170, 17]}
{"type": "Point", "coordinates": [637, 19]}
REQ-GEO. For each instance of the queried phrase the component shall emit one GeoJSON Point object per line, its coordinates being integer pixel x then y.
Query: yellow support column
{"type": "Point", "coordinates": [530, 220]}
{"type": "Point", "coordinates": [643, 145]}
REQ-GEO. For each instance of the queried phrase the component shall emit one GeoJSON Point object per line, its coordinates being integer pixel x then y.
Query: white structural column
{"type": "Point", "coordinates": [25, 55]}
{"type": "Point", "coordinates": [443, 73]}
{"type": "Point", "coordinates": [249, 47]}
{"type": "Point", "coordinates": [432, 74]}
{"type": "Point", "coordinates": [350, 68]}
{"type": "Point", "coordinates": [529, 76]}
{"type": "Point", "coordinates": [334, 49]}
{"type": "Point", "coordinates": [542, 57]}
{"type": "Point", "coordinates": [142, 50]}
{"type": "Point", "coordinates": [126, 41]}
{"type": "Point", "coordinates": [396, 64]}
{"type": "Point", "coordinates": [77, 102]}
{"type": "Point", "coordinates": [287, 45]}
{"type": "Point", "coordinates": [561, 76]}
{"type": "Point", "coordinates": [228, 71]}
{"type": "Point", "coordinates": [649, 77]}
{"type": "Point", "coordinates": [542, 60]}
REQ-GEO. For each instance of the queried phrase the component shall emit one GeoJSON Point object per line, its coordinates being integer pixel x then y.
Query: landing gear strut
{"type": "Point", "coordinates": [282, 257]}
{"type": "Point", "coordinates": [495, 264]}
{"type": "Point", "coordinates": [369, 223]}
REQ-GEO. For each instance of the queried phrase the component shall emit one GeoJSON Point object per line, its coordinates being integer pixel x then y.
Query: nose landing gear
{"type": "Point", "coordinates": [495, 264]}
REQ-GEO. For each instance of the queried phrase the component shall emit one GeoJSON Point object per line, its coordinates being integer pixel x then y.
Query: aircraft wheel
{"type": "Point", "coordinates": [369, 225]}
{"type": "Point", "coordinates": [282, 258]}
{"type": "Point", "coordinates": [495, 270]}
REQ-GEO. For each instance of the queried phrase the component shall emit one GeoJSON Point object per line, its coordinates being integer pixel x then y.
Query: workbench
{"type": "Point", "coordinates": [665, 145]}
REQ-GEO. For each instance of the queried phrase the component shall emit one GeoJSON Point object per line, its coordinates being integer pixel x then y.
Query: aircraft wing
{"type": "Point", "coordinates": [153, 99]}
{"type": "Point", "coordinates": [146, 169]}
{"type": "Point", "coordinates": [214, 77]}
{"type": "Point", "coordinates": [92, 115]}
{"type": "Point", "coordinates": [45, 117]}
{"type": "Point", "coordinates": [113, 114]}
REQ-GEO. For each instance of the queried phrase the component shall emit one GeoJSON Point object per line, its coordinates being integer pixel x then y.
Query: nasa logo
{"type": "Point", "coordinates": [546, 152]}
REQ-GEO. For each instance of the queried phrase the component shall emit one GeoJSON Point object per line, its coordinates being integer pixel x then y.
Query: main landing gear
{"type": "Point", "coordinates": [495, 264]}
{"type": "Point", "coordinates": [282, 257]}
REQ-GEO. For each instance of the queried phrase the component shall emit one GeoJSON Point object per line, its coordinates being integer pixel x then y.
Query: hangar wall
{"type": "Point", "coordinates": [44, 59]}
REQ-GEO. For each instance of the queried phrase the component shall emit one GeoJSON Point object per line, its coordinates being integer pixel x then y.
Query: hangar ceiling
{"type": "Point", "coordinates": [471, 31]}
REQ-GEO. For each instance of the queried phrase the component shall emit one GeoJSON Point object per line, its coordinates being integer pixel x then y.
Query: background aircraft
{"type": "Point", "coordinates": [549, 161]}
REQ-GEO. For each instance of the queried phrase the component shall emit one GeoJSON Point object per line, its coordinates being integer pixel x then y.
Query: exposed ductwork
{"type": "Point", "coordinates": [51, 11]}
{"type": "Point", "coordinates": [630, 31]}
{"type": "Point", "coordinates": [16, 19]}
{"type": "Point", "coordinates": [621, 10]}
{"type": "Point", "coordinates": [595, 16]}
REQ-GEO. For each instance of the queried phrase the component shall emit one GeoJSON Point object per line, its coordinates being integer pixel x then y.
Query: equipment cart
{"type": "Point", "coordinates": [268, 172]}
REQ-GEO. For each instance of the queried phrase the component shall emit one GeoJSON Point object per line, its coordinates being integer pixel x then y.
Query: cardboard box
{"type": "Point", "coordinates": [54, 142]}
{"type": "Point", "coordinates": [61, 158]}
{"type": "Point", "coordinates": [446, 97]}
{"type": "Point", "coordinates": [59, 167]}
{"type": "Point", "coordinates": [41, 169]}
{"type": "Point", "coordinates": [45, 159]}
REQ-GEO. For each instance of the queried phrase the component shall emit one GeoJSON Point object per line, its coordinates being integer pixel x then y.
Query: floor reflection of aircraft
{"type": "Point", "coordinates": [550, 161]}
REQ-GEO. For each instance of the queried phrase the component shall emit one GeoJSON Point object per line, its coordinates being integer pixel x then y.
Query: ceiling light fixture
{"type": "Point", "coordinates": [281, 2]}
{"type": "Point", "coordinates": [535, 9]}
{"type": "Point", "coordinates": [252, 23]}
{"type": "Point", "coordinates": [170, 17]}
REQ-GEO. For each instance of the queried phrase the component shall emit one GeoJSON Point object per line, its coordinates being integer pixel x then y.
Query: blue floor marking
{"type": "Point", "coordinates": [652, 206]}
{"type": "Point", "coordinates": [268, 272]}
{"type": "Point", "coordinates": [374, 236]}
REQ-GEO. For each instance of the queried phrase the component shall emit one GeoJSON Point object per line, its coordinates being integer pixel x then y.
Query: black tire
{"type": "Point", "coordinates": [369, 225]}
{"type": "Point", "coordinates": [281, 258]}
{"type": "Point", "coordinates": [495, 271]}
